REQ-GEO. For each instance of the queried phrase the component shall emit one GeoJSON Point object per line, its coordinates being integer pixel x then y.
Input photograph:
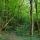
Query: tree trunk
{"type": "Point", "coordinates": [37, 15]}
{"type": "Point", "coordinates": [31, 18]}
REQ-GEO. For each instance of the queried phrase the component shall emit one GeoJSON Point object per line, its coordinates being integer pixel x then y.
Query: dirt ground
{"type": "Point", "coordinates": [13, 36]}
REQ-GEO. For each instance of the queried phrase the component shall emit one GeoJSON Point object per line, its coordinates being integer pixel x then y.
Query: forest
{"type": "Point", "coordinates": [20, 18]}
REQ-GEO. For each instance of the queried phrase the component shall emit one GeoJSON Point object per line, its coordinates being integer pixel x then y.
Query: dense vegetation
{"type": "Point", "coordinates": [21, 16]}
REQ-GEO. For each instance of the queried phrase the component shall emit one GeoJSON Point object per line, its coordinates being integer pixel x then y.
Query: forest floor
{"type": "Point", "coordinates": [13, 36]}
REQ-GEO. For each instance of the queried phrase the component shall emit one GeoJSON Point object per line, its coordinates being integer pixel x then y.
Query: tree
{"type": "Point", "coordinates": [31, 18]}
{"type": "Point", "coordinates": [36, 2]}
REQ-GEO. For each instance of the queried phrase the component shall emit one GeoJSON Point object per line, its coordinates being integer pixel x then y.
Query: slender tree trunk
{"type": "Point", "coordinates": [36, 14]}
{"type": "Point", "coordinates": [31, 18]}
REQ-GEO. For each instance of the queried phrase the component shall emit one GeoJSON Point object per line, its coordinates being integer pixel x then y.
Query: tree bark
{"type": "Point", "coordinates": [36, 15]}
{"type": "Point", "coordinates": [31, 18]}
